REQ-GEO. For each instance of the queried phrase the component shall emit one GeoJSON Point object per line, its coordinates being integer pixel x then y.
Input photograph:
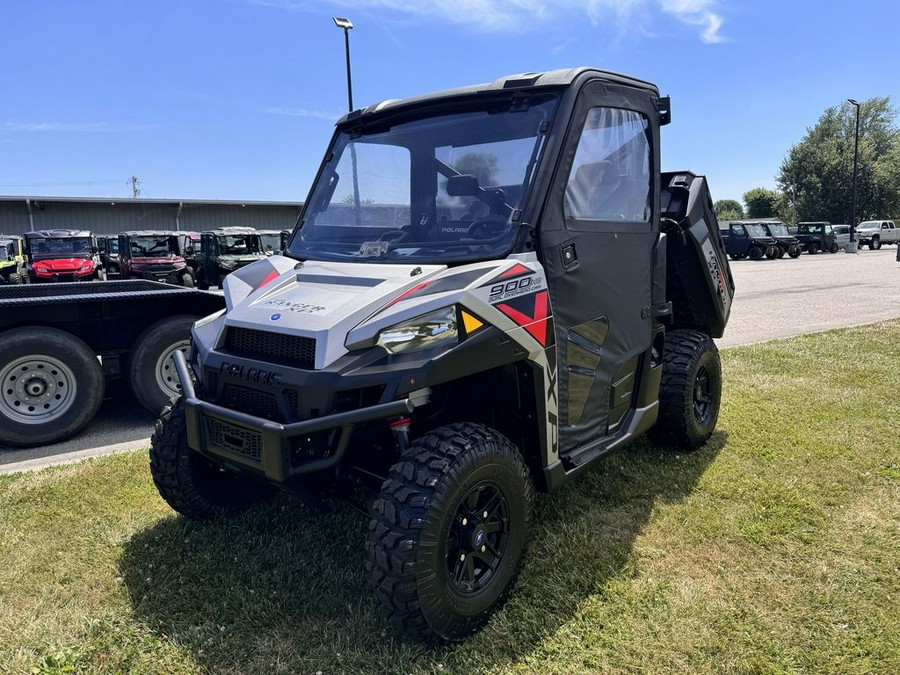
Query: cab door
{"type": "Point", "coordinates": [599, 245]}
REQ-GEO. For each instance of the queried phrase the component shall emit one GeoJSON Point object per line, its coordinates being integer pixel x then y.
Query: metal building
{"type": "Point", "coordinates": [110, 216]}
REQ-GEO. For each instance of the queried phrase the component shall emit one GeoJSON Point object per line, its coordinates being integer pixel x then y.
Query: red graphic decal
{"type": "Point", "coordinates": [404, 296]}
{"type": "Point", "coordinates": [536, 324]}
{"type": "Point", "coordinates": [272, 276]}
{"type": "Point", "coordinates": [518, 268]}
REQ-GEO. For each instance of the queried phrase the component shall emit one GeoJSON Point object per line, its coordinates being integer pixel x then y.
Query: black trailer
{"type": "Point", "coordinates": [60, 344]}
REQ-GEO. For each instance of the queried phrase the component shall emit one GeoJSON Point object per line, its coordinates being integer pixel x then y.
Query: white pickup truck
{"type": "Point", "coordinates": [877, 232]}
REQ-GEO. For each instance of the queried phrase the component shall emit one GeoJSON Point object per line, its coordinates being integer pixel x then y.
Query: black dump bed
{"type": "Point", "coordinates": [698, 278]}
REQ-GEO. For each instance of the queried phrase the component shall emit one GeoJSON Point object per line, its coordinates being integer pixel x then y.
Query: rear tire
{"type": "Point", "coordinates": [449, 532]}
{"type": "Point", "coordinates": [51, 385]}
{"type": "Point", "coordinates": [691, 391]}
{"type": "Point", "coordinates": [756, 253]}
{"type": "Point", "coordinates": [151, 370]}
{"type": "Point", "coordinates": [191, 484]}
{"type": "Point", "coordinates": [813, 248]}
{"type": "Point", "coordinates": [875, 244]}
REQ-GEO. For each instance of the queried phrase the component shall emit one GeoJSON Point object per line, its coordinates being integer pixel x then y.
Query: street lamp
{"type": "Point", "coordinates": [855, 163]}
{"type": "Point", "coordinates": [347, 26]}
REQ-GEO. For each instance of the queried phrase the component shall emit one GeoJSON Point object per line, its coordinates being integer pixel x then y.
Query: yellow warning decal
{"type": "Point", "coordinates": [470, 322]}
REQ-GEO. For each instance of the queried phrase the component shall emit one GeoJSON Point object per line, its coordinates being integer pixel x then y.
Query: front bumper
{"type": "Point", "coordinates": [263, 446]}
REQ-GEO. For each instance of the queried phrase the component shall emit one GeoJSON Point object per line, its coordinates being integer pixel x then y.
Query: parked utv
{"type": "Point", "coordinates": [489, 289]}
{"type": "Point", "coordinates": [13, 261]}
{"type": "Point", "coordinates": [785, 242]}
{"type": "Point", "coordinates": [188, 246]}
{"type": "Point", "coordinates": [817, 236]}
{"type": "Point", "coordinates": [748, 240]}
{"type": "Point", "coordinates": [271, 241]}
{"type": "Point", "coordinates": [153, 255]}
{"type": "Point", "coordinates": [63, 255]}
{"type": "Point", "coordinates": [108, 249]}
{"type": "Point", "coordinates": [225, 250]}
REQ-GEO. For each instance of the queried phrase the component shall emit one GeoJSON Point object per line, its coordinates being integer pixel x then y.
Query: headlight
{"type": "Point", "coordinates": [422, 332]}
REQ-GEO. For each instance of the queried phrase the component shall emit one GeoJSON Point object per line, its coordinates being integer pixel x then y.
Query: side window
{"type": "Point", "coordinates": [610, 177]}
{"type": "Point", "coordinates": [884, 226]}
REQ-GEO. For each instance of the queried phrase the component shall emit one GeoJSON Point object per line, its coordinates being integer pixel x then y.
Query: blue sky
{"type": "Point", "coordinates": [236, 99]}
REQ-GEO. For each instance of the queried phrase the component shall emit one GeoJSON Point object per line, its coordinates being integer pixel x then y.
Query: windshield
{"type": "Point", "coordinates": [113, 245]}
{"type": "Point", "coordinates": [238, 244]}
{"type": "Point", "coordinates": [756, 230]}
{"type": "Point", "coordinates": [271, 242]}
{"type": "Point", "coordinates": [69, 247]}
{"type": "Point", "coordinates": [447, 188]}
{"type": "Point", "coordinates": [779, 230]}
{"type": "Point", "coordinates": [152, 247]}
{"type": "Point", "coordinates": [10, 251]}
{"type": "Point", "coordinates": [808, 229]}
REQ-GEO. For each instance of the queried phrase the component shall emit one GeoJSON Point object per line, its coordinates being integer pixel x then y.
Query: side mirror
{"type": "Point", "coordinates": [463, 185]}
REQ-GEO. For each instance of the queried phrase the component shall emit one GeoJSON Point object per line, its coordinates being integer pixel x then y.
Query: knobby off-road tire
{"type": "Point", "coordinates": [691, 391]}
{"type": "Point", "coordinates": [51, 385]}
{"type": "Point", "coordinates": [756, 253]}
{"type": "Point", "coordinates": [834, 248]}
{"type": "Point", "coordinates": [187, 280]}
{"type": "Point", "coordinates": [151, 370]}
{"type": "Point", "coordinates": [772, 252]}
{"type": "Point", "coordinates": [449, 532]}
{"type": "Point", "coordinates": [795, 251]}
{"type": "Point", "coordinates": [191, 484]}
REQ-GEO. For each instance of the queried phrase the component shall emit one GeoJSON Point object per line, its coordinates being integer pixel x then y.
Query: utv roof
{"type": "Point", "coordinates": [232, 230]}
{"type": "Point", "coordinates": [550, 79]}
{"type": "Point", "coordinates": [57, 234]}
{"type": "Point", "coordinates": [152, 233]}
{"type": "Point", "coordinates": [11, 237]}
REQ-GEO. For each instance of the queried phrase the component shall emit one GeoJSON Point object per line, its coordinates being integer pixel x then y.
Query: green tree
{"type": "Point", "coordinates": [762, 203]}
{"type": "Point", "coordinates": [816, 177]}
{"type": "Point", "coordinates": [728, 209]}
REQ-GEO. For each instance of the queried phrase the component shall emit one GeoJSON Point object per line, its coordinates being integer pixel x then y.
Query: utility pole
{"type": "Point", "coordinates": [135, 183]}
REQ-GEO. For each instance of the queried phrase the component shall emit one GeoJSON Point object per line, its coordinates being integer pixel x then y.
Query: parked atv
{"type": "Point", "coordinates": [225, 250]}
{"type": "Point", "coordinates": [817, 236]}
{"type": "Point", "coordinates": [748, 240]}
{"type": "Point", "coordinates": [785, 242]}
{"type": "Point", "coordinates": [63, 255]}
{"type": "Point", "coordinates": [153, 255]}
{"type": "Point", "coordinates": [454, 346]}
{"type": "Point", "coordinates": [13, 261]}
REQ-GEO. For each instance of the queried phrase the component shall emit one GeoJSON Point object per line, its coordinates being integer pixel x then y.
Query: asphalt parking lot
{"type": "Point", "coordinates": [774, 299]}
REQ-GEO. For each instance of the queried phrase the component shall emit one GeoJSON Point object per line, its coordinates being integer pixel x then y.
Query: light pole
{"type": "Point", "coordinates": [855, 164]}
{"type": "Point", "coordinates": [347, 25]}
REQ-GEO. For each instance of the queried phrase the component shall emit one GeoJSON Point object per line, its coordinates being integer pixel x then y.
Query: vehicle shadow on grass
{"type": "Point", "coordinates": [282, 588]}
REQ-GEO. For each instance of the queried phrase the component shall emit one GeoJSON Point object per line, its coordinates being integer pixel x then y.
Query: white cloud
{"type": "Point", "coordinates": [303, 112]}
{"type": "Point", "coordinates": [74, 127]}
{"type": "Point", "coordinates": [492, 16]}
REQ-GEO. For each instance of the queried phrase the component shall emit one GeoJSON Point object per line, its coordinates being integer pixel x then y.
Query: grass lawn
{"type": "Point", "coordinates": [775, 549]}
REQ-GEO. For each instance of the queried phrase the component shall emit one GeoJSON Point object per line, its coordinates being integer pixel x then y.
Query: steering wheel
{"type": "Point", "coordinates": [488, 227]}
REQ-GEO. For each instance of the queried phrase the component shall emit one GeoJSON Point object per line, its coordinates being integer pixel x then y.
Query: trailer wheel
{"type": "Point", "coordinates": [449, 532]}
{"type": "Point", "coordinates": [691, 390]}
{"type": "Point", "coordinates": [151, 370]}
{"type": "Point", "coordinates": [191, 484]}
{"type": "Point", "coordinates": [756, 253]}
{"type": "Point", "coordinates": [51, 385]}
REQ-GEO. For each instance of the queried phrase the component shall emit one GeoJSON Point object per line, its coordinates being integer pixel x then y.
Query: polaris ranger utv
{"type": "Point", "coordinates": [748, 240]}
{"type": "Point", "coordinates": [13, 261]}
{"type": "Point", "coordinates": [224, 250]}
{"type": "Point", "coordinates": [488, 289]}
{"type": "Point", "coordinates": [785, 242]}
{"type": "Point", "coordinates": [154, 255]}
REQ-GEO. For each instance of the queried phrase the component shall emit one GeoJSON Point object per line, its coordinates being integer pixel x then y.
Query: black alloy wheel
{"type": "Point", "coordinates": [477, 538]}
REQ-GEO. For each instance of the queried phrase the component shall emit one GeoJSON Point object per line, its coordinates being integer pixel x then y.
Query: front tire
{"type": "Point", "coordinates": [449, 532]}
{"type": "Point", "coordinates": [151, 369]}
{"type": "Point", "coordinates": [691, 390]}
{"type": "Point", "coordinates": [756, 253]}
{"type": "Point", "coordinates": [795, 251]}
{"type": "Point", "coordinates": [51, 385]}
{"type": "Point", "coordinates": [191, 484]}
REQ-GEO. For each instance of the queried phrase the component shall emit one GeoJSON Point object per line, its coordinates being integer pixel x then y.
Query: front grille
{"type": "Point", "coordinates": [288, 349]}
{"type": "Point", "coordinates": [251, 401]}
{"type": "Point", "coordinates": [236, 439]}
